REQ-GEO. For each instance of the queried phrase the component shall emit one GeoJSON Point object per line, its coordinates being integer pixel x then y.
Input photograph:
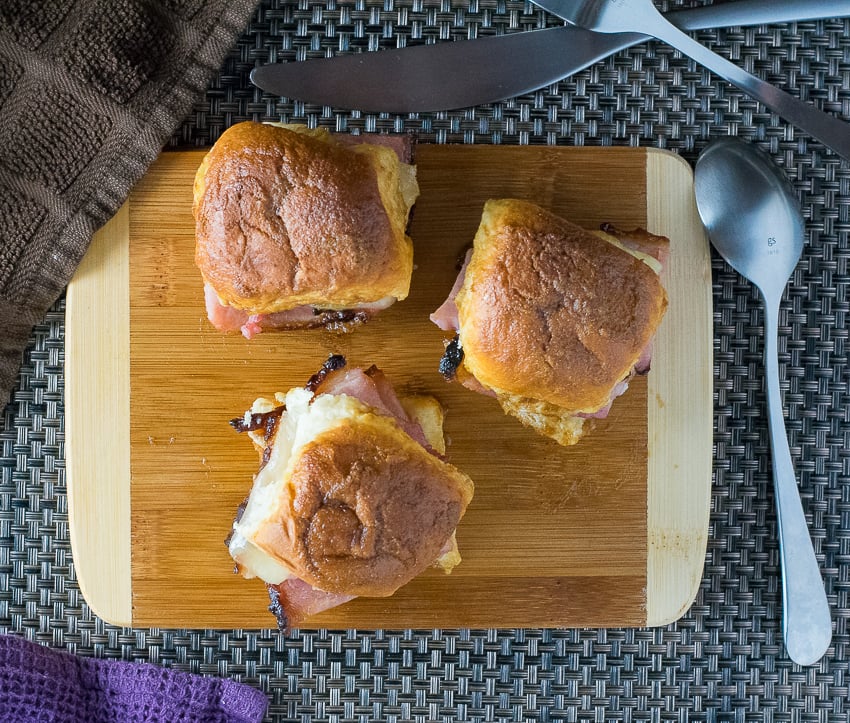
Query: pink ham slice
{"type": "Point", "coordinates": [226, 318]}
{"type": "Point", "coordinates": [641, 367]}
{"type": "Point", "coordinates": [446, 317]}
{"type": "Point", "coordinates": [470, 382]}
{"type": "Point", "coordinates": [619, 389]}
{"type": "Point", "coordinates": [299, 316]}
{"type": "Point", "coordinates": [373, 389]}
{"type": "Point", "coordinates": [223, 318]}
{"type": "Point", "coordinates": [293, 600]}
{"type": "Point", "coordinates": [644, 360]}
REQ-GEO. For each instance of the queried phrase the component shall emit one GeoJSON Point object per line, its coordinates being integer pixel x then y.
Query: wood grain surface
{"type": "Point", "coordinates": [611, 532]}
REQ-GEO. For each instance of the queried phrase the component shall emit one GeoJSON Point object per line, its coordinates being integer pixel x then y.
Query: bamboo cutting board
{"type": "Point", "coordinates": [611, 532]}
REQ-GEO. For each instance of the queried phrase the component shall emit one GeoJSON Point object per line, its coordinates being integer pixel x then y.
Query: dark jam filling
{"type": "Point", "coordinates": [266, 421]}
{"type": "Point", "coordinates": [239, 512]}
{"type": "Point", "coordinates": [333, 363]}
{"type": "Point", "coordinates": [276, 608]}
{"type": "Point", "coordinates": [329, 316]}
{"type": "Point", "coordinates": [341, 320]}
{"type": "Point", "coordinates": [452, 359]}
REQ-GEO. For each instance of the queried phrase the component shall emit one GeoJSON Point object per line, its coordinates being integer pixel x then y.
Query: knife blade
{"type": "Point", "coordinates": [427, 78]}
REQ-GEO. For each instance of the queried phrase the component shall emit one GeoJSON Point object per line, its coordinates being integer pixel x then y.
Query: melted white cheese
{"type": "Point", "coordinates": [300, 423]}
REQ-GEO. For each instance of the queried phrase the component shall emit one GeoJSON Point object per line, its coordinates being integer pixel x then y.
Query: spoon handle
{"type": "Point", "coordinates": [806, 623]}
{"type": "Point", "coordinates": [829, 130]}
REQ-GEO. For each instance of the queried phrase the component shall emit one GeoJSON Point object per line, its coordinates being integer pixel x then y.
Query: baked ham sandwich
{"type": "Point", "coordinates": [296, 227]}
{"type": "Point", "coordinates": [551, 319]}
{"type": "Point", "coordinates": [353, 496]}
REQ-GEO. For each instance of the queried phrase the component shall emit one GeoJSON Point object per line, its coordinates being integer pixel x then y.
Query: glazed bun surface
{"type": "Point", "coordinates": [357, 506]}
{"type": "Point", "coordinates": [286, 216]}
{"type": "Point", "coordinates": [549, 311]}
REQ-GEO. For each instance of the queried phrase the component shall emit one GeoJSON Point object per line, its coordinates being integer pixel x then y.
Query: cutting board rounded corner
{"type": "Point", "coordinates": [675, 610]}
{"type": "Point", "coordinates": [672, 157]}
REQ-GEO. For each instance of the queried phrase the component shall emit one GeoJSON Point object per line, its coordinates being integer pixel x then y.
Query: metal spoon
{"type": "Point", "coordinates": [753, 219]}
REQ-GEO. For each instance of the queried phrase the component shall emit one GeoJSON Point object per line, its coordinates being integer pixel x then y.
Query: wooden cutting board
{"type": "Point", "coordinates": [611, 532]}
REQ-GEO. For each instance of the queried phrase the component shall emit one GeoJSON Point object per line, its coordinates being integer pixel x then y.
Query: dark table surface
{"type": "Point", "coordinates": [724, 660]}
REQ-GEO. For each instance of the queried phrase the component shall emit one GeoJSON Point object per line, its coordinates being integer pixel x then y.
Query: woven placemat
{"type": "Point", "coordinates": [724, 659]}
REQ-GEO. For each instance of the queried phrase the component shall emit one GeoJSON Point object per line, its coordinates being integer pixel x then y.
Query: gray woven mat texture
{"type": "Point", "coordinates": [724, 659]}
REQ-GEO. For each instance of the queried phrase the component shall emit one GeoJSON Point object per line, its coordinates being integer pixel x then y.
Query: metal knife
{"type": "Point", "coordinates": [467, 73]}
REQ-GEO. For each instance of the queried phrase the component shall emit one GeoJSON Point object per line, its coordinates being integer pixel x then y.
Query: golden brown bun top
{"type": "Point", "coordinates": [370, 509]}
{"type": "Point", "coordinates": [551, 311]}
{"type": "Point", "coordinates": [286, 216]}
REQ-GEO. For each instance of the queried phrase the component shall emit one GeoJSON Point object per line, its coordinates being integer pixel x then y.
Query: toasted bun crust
{"type": "Point", "coordinates": [551, 312]}
{"type": "Point", "coordinates": [547, 419]}
{"type": "Point", "coordinates": [286, 216]}
{"type": "Point", "coordinates": [427, 412]}
{"type": "Point", "coordinates": [368, 508]}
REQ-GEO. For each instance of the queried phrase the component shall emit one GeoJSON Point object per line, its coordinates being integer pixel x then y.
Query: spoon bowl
{"type": "Point", "coordinates": [753, 219]}
{"type": "Point", "coordinates": [750, 212]}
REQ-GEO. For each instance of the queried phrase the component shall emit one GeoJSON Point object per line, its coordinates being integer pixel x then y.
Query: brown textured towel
{"type": "Point", "coordinates": [90, 90]}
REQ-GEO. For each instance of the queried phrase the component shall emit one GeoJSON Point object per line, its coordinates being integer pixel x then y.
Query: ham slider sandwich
{"type": "Point", "coordinates": [353, 496]}
{"type": "Point", "coordinates": [551, 319]}
{"type": "Point", "coordinates": [298, 228]}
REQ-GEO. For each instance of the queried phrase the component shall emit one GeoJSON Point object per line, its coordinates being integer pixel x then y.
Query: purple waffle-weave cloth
{"type": "Point", "coordinates": [90, 91]}
{"type": "Point", "coordinates": [42, 684]}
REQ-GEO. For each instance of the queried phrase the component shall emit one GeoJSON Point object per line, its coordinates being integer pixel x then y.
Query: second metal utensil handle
{"type": "Point", "coordinates": [756, 12]}
{"type": "Point", "coordinates": [806, 622]}
{"type": "Point", "coordinates": [829, 130]}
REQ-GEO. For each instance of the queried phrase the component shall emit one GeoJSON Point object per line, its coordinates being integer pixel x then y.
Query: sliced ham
{"type": "Point", "coordinates": [641, 367]}
{"type": "Point", "coordinates": [373, 389]}
{"type": "Point", "coordinates": [223, 318]}
{"type": "Point", "coordinates": [446, 317]}
{"type": "Point", "coordinates": [644, 361]}
{"type": "Point", "coordinates": [618, 390]}
{"type": "Point", "coordinates": [293, 600]}
{"type": "Point", "coordinates": [297, 317]}
{"type": "Point", "coordinates": [470, 382]}
{"type": "Point", "coordinates": [226, 318]}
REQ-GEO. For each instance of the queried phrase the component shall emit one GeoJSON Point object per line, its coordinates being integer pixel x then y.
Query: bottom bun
{"type": "Point", "coordinates": [547, 419]}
